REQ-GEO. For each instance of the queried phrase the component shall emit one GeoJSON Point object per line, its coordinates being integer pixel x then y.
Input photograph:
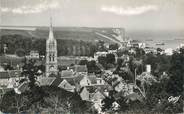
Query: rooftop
{"type": "Point", "coordinates": [80, 68]}
{"type": "Point", "coordinates": [67, 73]}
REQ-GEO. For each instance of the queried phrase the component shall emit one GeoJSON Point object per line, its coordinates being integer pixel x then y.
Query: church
{"type": "Point", "coordinates": [51, 53]}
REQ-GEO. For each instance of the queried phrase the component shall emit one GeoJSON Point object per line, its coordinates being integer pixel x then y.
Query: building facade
{"type": "Point", "coordinates": [51, 53]}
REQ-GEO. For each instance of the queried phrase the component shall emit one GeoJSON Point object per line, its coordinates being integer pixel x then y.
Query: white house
{"type": "Point", "coordinates": [66, 85]}
{"type": "Point", "coordinates": [85, 81]}
{"type": "Point", "coordinates": [10, 79]}
{"type": "Point", "coordinates": [33, 55]}
{"type": "Point", "coordinates": [168, 51]}
{"type": "Point", "coordinates": [100, 81]}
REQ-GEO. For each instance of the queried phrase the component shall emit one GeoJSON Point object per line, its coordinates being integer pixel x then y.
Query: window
{"type": "Point", "coordinates": [64, 85]}
{"type": "Point", "coordinates": [53, 57]}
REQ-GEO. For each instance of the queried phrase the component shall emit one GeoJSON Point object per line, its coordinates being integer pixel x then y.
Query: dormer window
{"type": "Point", "coordinates": [64, 85]}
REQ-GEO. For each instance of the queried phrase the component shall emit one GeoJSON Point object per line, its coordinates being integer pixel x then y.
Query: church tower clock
{"type": "Point", "coordinates": [51, 53]}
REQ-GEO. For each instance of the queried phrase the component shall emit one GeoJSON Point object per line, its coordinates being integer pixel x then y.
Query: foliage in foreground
{"type": "Point", "coordinates": [44, 99]}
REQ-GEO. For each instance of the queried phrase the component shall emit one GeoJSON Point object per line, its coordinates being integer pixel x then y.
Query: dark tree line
{"type": "Point", "coordinates": [107, 61]}
{"type": "Point", "coordinates": [21, 45]}
{"type": "Point", "coordinates": [91, 66]}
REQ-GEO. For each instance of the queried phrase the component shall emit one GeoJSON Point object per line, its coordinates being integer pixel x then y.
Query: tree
{"type": "Point", "coordinates": [83, 62]}
{"type": "Point", "coordinates": [107, 103]}
{"type": "Point", "coordinates": [110, 58]}
{"type": "Point", "coordinates": [14, 103]}
{"type": "Point", "coordinates": [113, 46]}
{"type": "Point", "coordinates": [8, 67]}
{"type": "Point", "coordinates": [44, 98]}
{"type": "Point", "coordinates": [92, 67]}
{"type": "Point", "coordinates": [124, 71]}
{"type": "Point", "coordinates": [136, 65]}
{"type": "Point", "coordinates": [146, 79]}
{"type": "Point", "coordinates": [55, 105]}
{"type": "Point", "coordinates": [176, 72]}
{"type": "Point", "coordinates": [20, 103]}
{"type": "Point", "coordinates": [30, 70]}
{"type": "Point", "coordinates": [102, 60]}
{"type": "Point", "coordinates": [101, 46]}
{"type": "Point", "coordinates": [60, 68]}
{"type": "Point", "coordinates": [139, 52]}
{"type": "Point", "coordinates": [159, 50]}
{"type": "Point", "coordinates": [107, 61]}
{"type": "Point", "coordinates": [20, 52]}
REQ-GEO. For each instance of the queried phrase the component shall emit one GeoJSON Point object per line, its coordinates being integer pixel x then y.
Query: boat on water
{"type": "Point", "coordinates": [160, 43]}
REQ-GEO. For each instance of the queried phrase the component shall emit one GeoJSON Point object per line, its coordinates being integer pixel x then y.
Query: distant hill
{"type": "Point", "coordinates": [74, 33]}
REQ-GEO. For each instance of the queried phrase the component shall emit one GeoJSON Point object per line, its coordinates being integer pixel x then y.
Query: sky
{"type": "Point", "coordinates": [129, 14]}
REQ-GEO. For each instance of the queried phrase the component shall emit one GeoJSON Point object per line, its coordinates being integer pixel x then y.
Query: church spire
{"type": "Point", "coordinates": [51, 52]}
{"type": "Point", "coordinates": [51, 35]}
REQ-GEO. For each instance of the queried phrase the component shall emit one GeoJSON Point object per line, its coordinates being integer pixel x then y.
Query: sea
{"type": "Point", "coordinates": [159, 39]}
{"type": "Point", "coordinates": [167, 38]}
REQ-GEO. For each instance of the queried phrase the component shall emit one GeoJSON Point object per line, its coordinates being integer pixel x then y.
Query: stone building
{"type": "Point", "coordinates": [51, 53]}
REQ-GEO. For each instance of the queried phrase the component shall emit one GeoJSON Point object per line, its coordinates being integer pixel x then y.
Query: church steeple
{"type": "Point", "coordinates": [51, 34]}
{"type": "Point", "coordinates": [51, 53]}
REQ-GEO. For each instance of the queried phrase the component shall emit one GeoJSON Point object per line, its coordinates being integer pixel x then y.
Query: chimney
{"type": "Point", "coordinates": [148, 68]}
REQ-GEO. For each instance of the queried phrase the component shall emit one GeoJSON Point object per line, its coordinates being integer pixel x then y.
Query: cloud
{"type": "Point", "coordinates": [27, 9]}
{"type": "Point", "coordinates": [129, 10]}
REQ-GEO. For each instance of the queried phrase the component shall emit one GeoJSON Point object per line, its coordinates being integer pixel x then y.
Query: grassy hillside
{"type": "Point", "coordinates": [74, 33]}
